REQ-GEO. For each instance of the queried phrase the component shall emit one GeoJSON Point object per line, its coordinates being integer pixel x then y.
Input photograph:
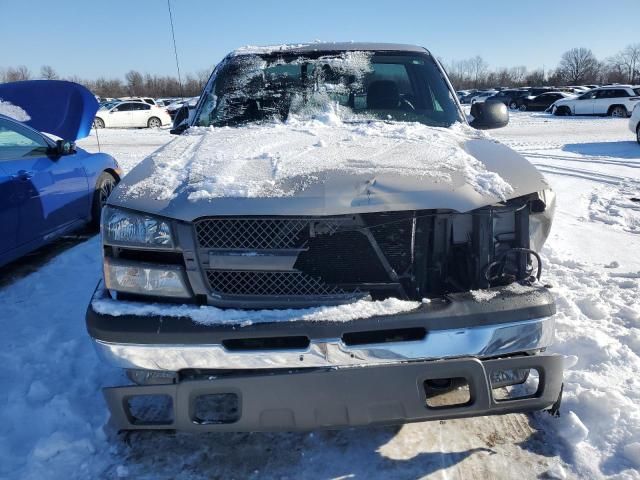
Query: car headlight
{"type": "Point", "coordinates": [121, 227]}
{"type": "Point", "coordinates": [145, 279]}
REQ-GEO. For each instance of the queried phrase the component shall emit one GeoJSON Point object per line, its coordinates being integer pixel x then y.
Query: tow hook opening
{"type": "Point", "coordinates": [447, 392]}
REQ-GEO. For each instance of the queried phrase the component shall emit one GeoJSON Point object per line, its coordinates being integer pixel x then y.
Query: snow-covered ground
{"type": "Point", "coordinates": [52, 415]}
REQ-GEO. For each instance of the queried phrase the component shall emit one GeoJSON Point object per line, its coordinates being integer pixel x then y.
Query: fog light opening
{"type": "Point", "coordinates": [515, 384]}
{"type": "Point", "coordinates": [216, 409]}
{"type": "Point", "coordinates": [447, 392]}
{"type": "Point", "coordinates": [149, 409]}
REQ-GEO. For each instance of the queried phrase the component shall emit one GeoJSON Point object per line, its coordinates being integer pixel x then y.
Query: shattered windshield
{"type": "Point", "coordinates": [352, 85]}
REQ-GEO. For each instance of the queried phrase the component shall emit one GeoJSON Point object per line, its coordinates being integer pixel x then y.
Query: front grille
{"type": "Point", "coordinates": [251, 233]}
{"type": "Point", "coordinates": [231, 282]}
{"type": "Point", "coordinates": [336, 259]}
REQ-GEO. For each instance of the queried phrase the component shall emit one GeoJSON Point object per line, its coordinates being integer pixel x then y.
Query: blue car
{"type": "Point", "coordinates": [48, 186]}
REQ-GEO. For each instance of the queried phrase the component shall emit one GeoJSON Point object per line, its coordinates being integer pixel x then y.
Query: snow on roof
{"type": "Point", "coordinates": [326, 46]}
{"type": "Point", "coordinates": [265, 160]}
{"type": "Point", "coordinates": [8, 109]}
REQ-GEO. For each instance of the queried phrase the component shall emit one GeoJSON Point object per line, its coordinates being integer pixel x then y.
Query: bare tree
{"type": "Point", "coordinates": [48, 73]}
{"type": "Point", "coordinates": [627, 63]}
{"type": "Point", "coordinates": [478, 68]}
{"type": "Point", "coordinates": [135, 82]}
{"type": "Point", "coordinates": [579, 65]}
{"type": "Point", "coordinates": [17, 74]}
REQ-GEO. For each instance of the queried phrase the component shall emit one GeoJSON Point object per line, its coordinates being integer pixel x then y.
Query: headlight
{"type": "Point", "coordinates": [141, 279]}
{"type": "Point", "coordinates": [120, 227]}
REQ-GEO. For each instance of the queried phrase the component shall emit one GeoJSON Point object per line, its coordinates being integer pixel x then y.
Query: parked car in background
{"type": "Point", "coordinates": [482, 96]}
{"type": "Point", "coordinates": [542, 102]}
{"type": "Point", "coordinates": [163, 102]}
{"type": "Point", "coordinates": [172, 108]}
{"type": "Point", "coordinates": [531, 93]}
{"type": "Point", "coordinates": [617, 101]}
{"type": "Point", "coordinates": [634, 122]}
{"type": "Point", "coordinates": [466, 98]}
{"type": "Point", "coordinates": [48, 187]}
{"type": "Point", "coordinates": [509, 96]}
{"type": "Point", "coordinates": [131, 114]}
{"type": "Point", "coordinates": [148, 100]}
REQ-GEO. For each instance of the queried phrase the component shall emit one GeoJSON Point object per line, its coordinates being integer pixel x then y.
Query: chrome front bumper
{"type": "Point", "coordinates": [482, 342]}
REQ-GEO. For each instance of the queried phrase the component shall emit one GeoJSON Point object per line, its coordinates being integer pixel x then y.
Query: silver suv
{"type": "Point", "coordinates": [329, 242]}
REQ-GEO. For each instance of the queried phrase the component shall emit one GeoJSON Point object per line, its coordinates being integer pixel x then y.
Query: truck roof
{"type": "Point", "coordinates": [328, 47]}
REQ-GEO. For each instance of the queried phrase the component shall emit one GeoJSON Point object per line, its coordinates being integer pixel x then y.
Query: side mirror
{"type": "Point", "coordinates": [180, 121]}
{"type": "Point", "coordinates": [489, 115]}
{"type": "Point", "coordinates": [64, 147]}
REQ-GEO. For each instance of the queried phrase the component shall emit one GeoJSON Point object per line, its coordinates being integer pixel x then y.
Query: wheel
{"type": "Point", "coordinates": [638, 133]}
{"type": "Point", "coordinates": [523, 108]}
{"type": "Point", "coordinates": [104, 186]}
{"type": "Point", "coordinates": [618, 112]}
{"type": "Point", "coordinates": [98, 123]}
{"type": "Point", "coordinates": [562, 111]}
{"type": "Point", "coordinates": [154, 122]}
{"type": "Point", "coordinates": [513, 106]}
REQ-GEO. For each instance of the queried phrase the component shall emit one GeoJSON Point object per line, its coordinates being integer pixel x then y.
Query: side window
{"type": "Point", "coordinates": [140, 106]}
{"type": "Point", "coordinates": [589, 95]}
{"type": "Point", "coordinates": [123, 107]}
{"type": "Point", "coordinates": [601, 94]}
{"type": "Point", "coordinates": [18, 142]}
{"type": "Point", "coordinates": [620, 93]}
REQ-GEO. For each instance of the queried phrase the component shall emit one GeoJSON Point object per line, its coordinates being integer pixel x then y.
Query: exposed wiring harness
{"type": "Point", "coordinates": [498, 265]}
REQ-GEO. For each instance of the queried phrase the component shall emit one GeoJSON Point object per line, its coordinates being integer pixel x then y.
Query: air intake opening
{"type": "Point", "coordinates": [266, 343]}
{"type": "Point", "coordinates": [384, 336]}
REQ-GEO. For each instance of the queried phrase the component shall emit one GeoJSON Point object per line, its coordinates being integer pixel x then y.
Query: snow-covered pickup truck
{"type": "Point", "coordinates": [329, 242]}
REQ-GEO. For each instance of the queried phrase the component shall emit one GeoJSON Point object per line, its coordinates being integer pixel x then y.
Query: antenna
{"type": "Point", "coordinates": [97, 137]}
{"type": "Point", "coordinates": [175, 50]}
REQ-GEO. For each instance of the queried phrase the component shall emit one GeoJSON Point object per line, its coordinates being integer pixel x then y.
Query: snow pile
{"type": "Point", "coordinates": [13, 111]}
{"type": "Point", "coordinates": [207, 315]}
{"type": "Point", "coordinates": [278, 160]}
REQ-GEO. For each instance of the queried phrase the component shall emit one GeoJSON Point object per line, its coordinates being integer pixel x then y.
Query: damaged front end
{"type": "Point", "coordinates": [285, 262]}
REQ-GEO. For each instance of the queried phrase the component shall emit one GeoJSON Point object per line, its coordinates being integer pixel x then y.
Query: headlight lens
{"type": "Point", "coordinates": [129, 277]}
{"type": "Point", "coordinates": [120, 227]}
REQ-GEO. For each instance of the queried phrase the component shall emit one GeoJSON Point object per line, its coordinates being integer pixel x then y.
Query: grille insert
{"type": "Point", "coordinates": [232, 282]}
{"type": "Point", "coordinates": [241, 233]}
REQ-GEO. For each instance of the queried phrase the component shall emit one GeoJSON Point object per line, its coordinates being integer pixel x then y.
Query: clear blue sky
{"type": "Point", "coordinates": [93, 38]}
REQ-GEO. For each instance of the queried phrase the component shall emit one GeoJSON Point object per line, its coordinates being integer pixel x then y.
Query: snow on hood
{"type": "Point", "coordinates": [10, 110]}
{"type": "Point", "coordinates": [327, 167]}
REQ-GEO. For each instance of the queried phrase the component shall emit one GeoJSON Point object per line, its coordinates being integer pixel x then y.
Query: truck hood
{"type": "Point", "coordinates": [325, 168]}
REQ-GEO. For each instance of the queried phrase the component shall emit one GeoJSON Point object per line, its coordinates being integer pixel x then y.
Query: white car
{"type": "Point", "coordinates": [634, 122]}
{"type": "Point", "coordinates": [148, 100]}
{"type": "Point", "coordinates": [614, 100]}
{"type": "Point", "coordinates": [131, 114]}
{"type": "Point", "coordinates": [482, 96]}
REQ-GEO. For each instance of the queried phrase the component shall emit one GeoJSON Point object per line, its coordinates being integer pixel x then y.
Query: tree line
{"type": "Point", "coordinates": [133, 84]}
{"type": "Point", "coordinates": [578, 66]}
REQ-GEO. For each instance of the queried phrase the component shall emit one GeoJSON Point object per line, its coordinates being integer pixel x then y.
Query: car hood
{"type": "Point", "coordinates": [64, 109]}
{"type": "Point", "coordinates": [315, 168]}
